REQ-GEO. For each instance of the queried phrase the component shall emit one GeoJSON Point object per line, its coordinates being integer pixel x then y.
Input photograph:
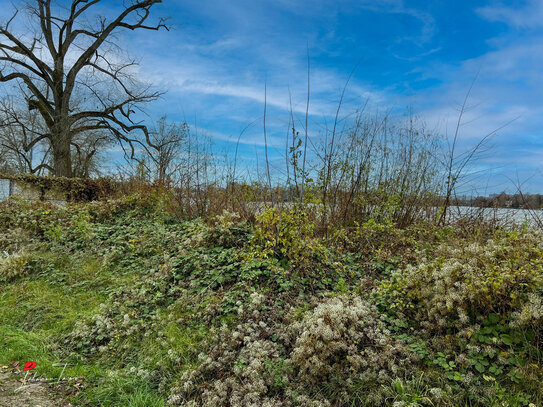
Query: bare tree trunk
{"type": "Point", "coordinates": [62, 158]}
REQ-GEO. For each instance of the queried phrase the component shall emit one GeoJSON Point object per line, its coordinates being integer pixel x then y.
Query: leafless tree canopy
{"type": "Point", "coordinates": [169, 140]}
{"type": "Point", "coordinates": [69, 71]}
{"type": "Point", "coordinates": [22, 149]}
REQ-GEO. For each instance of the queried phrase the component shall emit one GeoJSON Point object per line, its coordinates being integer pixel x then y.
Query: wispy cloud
{"type": "Point", "coordinates": [528, 16]}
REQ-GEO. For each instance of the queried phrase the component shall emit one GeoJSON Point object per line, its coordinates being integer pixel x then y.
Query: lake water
{"type": "Point", "coordinates": [504, 216]}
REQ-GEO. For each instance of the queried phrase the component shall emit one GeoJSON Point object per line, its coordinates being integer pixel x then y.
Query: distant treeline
{"type": "Point", "coordinates": [503, 200]}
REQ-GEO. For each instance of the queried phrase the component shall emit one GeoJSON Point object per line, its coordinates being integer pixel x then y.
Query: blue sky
{"type": "Point", "coordinates": [215, 62]}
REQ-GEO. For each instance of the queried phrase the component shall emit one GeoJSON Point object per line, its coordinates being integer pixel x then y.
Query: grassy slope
{"type": "Point", "coordinates": [147, 289]}
{"type": "Point", "coordinates": [57, 288]}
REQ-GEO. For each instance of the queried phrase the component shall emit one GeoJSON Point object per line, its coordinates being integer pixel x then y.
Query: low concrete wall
{"type": "Point", "coordinates": [5, 188]}
{"type": "Point", "coordinates": [56, 190]}
{"type": "Point", "coordinates": [28, 192]}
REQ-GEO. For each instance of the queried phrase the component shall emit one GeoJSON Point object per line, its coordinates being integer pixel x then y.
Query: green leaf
{"type": "Point", "coordinates": [458, 376]}
{"type": "Point", "coordinates": [506, 339]}
{"type": "Point", "coordinates": [493, 319]}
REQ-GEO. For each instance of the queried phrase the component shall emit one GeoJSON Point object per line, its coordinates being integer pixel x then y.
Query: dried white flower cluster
{"type": "Point", "coordinates": [13, 239]}
{"type": "Point", "coordinates": [480, 278]}
{"type": "Point", "coordinates": [235, 364]}
{"type": "Point", "coordinates": [194, 234]}
{"type": "Point", "coordinates": [226, 219]}
{"type": "Point", "coordinates": [103, 331]}
{"type": "Point", "coordinates": [12, 265]}
{"type": "Point", "coordinates": [267, 360]}
{"type": "Point", "coordinates": [531, 312]}
{"type": "Point", "coordinates": [344, 339]}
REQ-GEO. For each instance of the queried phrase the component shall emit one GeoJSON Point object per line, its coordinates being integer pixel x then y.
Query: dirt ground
{"type": "Point", "coordinates": [31, 395]}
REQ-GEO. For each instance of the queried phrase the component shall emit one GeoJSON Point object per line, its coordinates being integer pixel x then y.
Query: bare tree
{"type": "Point", "coordinates": [25, 152]}
{"type": "Point", "coordinates": [71, 56]}
{"type": "Point", "coordinates": [87, 153]}
{"type": "Point", "coordinates": [169, 140]}
{"type": "Point", "coordinates": [22, 151]}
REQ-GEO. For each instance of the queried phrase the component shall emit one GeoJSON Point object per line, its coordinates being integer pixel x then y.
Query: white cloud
{"type": "Point", "coordinates": [205, 76]}
{"type": "Point", "coordinates": [529, 16]}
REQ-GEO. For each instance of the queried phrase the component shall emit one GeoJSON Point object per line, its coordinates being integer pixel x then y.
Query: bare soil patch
{"type": "Point", "coordinates": [30, 395]}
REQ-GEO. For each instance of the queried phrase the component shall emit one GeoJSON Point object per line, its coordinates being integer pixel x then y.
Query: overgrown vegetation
{"type": "Point", "coordinates": [340, 282]}
{"type": "Point", "coordinates": [155, 308]}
